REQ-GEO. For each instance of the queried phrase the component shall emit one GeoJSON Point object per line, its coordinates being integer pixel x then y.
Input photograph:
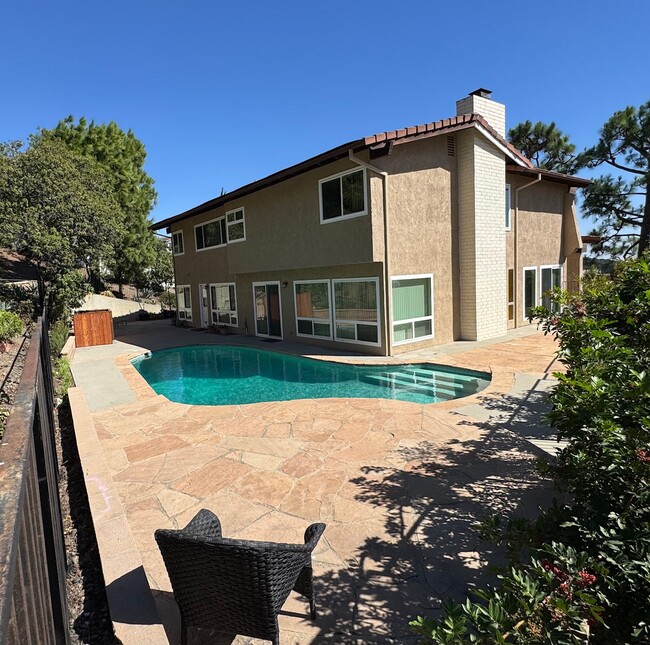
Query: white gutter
{"type": "Point", "coordinates": [516, 245]}
{"type": "Point", "coordinates": [388, 296]}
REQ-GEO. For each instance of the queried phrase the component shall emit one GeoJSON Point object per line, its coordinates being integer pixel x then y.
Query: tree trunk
{"type": "Point", "coordinates": [644, 236]}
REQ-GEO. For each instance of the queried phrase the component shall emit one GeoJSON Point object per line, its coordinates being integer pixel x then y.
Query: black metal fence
{"type": "Point", "coordinates": [33, 606]}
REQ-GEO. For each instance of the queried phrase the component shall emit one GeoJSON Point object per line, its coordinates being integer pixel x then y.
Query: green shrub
{"type": "Point", "coordinates": [62, 376]}
{"type": "Point", "coordinates": [10, 326]}
{"type": "Point", "coordinates": [601, 407]}
{"type": "Point", "coordinates": [59, 333]}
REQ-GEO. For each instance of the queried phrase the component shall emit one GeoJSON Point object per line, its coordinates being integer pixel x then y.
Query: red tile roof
{"type": "Point", "coordinates": [438, 127]}
{"type": "Point", "coordinates": [404, 135]}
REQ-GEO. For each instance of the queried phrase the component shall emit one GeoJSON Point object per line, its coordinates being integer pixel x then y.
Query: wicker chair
{"type": "Point", "coordinates": [234, 586]}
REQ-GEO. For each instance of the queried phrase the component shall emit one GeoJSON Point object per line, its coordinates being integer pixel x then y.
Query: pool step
{"type": "Point", "coordinates": [442, 390]}
{"type": "Point", "coordinates": [444, 376]}
{"type": "Point", "coordinates": [431, 380]}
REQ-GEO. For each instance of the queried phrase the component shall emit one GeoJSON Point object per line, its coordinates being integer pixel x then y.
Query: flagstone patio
{"type": "Point", "coordinates": [399, 485]}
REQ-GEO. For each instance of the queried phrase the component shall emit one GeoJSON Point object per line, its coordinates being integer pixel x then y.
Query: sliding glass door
{"type": "Point", "coordinates": [266, 301]}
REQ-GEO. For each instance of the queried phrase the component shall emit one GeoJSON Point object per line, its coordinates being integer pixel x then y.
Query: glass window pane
{"type": "Point", "coordinates": [236, 231]}
{"type": "Point", "coordinates": [352, 187]}
{"type": "Point", "coordinates": [511, 312]}
{"type": "Point", "coordinates": [546, 286]}
{"type": "Point", "coordinates": [331, 195]}
{"type": "Point", "coordinates": [346, 331]}
{"type": "Point", "coordinates": [312, 300]}
{"type": "Point", "coordinates": [367, 333]}
{"type": "Point", "coordinates": [507, 206]}
{"type": "Point", "coordinates": [356, 300]}
{"type": "Point", "coordinates": [511, 285]}
{"type": "Point", "coordinates": [305, 327]}
{"type": "Point", "coordinates": [199, 237]}
{"type": "Point", "coordinates": [556, 278]}
{"type": "Point", "coordinates": [422, 328]}
{"type": "Point", "coordinates": [402, 332]}
{"type": "Point", "coordinates": [411, 298]}
{"type": "Point", "coordinates": [321, 329]}
{"type": "Point", "coordinates": [530, 290]}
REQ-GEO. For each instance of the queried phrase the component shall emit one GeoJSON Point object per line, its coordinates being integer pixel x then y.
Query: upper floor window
{"type": "Point", "coordinates": [508, 207]}
{"type": "Point", "coordinates": [235, 225]}
{"type": "Point", "coordinates": [343, 196]}
{"type": "Point", "coordinates": [210, 234]}
{"type": "Point", "coordinates": [177, 243]}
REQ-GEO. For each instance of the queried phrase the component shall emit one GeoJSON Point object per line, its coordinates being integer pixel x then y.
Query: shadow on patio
{"type": "Point", "coordinates": [427, 548]}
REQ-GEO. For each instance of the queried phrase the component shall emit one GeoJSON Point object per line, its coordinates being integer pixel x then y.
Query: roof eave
{"type": "Point", "coordinates": [549, 175]}
{"type": "Point", "coordinates": [334, 154]}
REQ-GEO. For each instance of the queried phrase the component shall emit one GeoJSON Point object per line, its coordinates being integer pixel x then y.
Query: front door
{"type": "Point", "coordinates": [205, 313]}
{"type": "Point", "coordinates": [267, 304]}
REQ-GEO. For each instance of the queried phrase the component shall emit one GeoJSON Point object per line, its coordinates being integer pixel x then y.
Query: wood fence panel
{"type": "Point", "coordinates": [93, 328]}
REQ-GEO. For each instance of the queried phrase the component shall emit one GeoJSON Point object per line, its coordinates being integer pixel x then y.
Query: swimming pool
{"type": "Point", "coordinates": [233, 375]}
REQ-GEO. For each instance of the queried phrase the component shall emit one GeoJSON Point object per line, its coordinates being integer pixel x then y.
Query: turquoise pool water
{"type": "Point", "coordinates": [231, 375]}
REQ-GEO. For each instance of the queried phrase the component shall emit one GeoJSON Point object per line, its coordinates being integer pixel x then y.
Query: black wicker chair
{"type": "Point", "coordinates": [234, 586]}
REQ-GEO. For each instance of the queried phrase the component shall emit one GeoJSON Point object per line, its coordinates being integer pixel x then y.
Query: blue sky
{"type": "Point", "coordinates": [223, 93]}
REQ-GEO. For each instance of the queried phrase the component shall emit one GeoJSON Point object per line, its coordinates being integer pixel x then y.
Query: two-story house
{"type": "Point", "coordinates": [396, 241]}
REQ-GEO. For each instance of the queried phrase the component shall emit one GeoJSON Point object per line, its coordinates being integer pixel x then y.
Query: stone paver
{"type": "Point", "coordinates": [400, 485]}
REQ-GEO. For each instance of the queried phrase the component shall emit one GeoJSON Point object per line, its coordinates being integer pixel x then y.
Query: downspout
{"type": "Point", "coordinates": [388, 296]}
{"type": "Point", "coordinates": [516, 246]}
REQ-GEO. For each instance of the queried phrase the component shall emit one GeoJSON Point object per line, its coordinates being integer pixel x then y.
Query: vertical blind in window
{"type": "Point", "coordinates": [412, 309]}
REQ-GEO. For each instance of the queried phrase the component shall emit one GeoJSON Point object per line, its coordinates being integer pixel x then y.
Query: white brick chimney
{"type": "Point", "coordinates": [479, 102]}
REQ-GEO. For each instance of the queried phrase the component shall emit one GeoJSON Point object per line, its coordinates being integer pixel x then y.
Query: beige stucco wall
{"type": "Point", "coordinates": [542, 224]}
{"type": "Point", "coordinates": [446, 218]}
{"type": "Point", "coordinates": [245, 308]}
{"type": "Point", "coordinates": [421, 212]}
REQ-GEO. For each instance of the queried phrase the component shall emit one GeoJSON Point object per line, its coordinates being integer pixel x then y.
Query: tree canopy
{"type": "Point", "coordinates": [122, 155]}
{"type": "Point", "coordinates": [58, 210]}
{"type": "Point", "coordinates": [545, 145]}
{"type": "Point", "coordinates": [620, 204]}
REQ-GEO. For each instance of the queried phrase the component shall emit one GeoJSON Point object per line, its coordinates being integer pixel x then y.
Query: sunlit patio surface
{"type": "Point", "coordinates": [399, 485]}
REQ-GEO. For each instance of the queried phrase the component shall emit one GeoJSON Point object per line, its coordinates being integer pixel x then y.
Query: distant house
{"type": "Point", "coordinates": [392, 242]}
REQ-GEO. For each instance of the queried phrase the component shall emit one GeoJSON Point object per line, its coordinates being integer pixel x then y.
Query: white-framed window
{"type": "Point", "coordinates": [209, 235]}
{"type": "Point", "coordinates": [184, 302]}
{"type": "Point", "coordinates": [223, 301]}
{"type": "Point", "coordinates": [178, 248]}
{"type": "Point", "coordinates": [343, 196]}
{"type": "Point", "coordinates": [550, 278]}
{"type": "Point", "coordinates": [356, 310]}
{"type": "Point", "coordinates": [530, 290]}
{"type": "Point", "coordinates": [412, 297]}
{"type": "Point", "coordinates": [236, 226]}
{"type": "Point", "coordinates": [508, 209]}
{"type": "Point", "coordinates": [511, 294]}
{"type": "Point", "coordinates": [312, 300]}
